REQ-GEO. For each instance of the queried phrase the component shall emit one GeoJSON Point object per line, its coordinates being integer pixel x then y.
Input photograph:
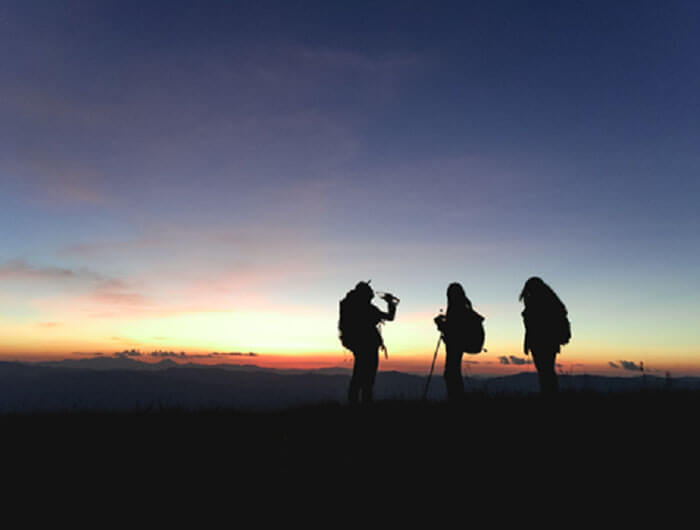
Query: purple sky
{"type": "Point", "coordinates": [165, 161]}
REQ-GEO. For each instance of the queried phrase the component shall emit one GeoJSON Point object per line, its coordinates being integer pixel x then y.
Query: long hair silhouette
{"type": "Point", "coordinates": [538, 294]}
{"type": "Point", "coordinates": [455, 328]}
{"type": "Point", "coordinates": [457, 298]}
{"type": "Point", "coordinates": [546, 329]}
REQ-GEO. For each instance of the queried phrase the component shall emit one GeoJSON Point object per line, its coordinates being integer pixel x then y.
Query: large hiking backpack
{"type": "Point", "coordinates": [474, 335]}
{"type": "Point", "coordinates": [346, 333]}
{"type": "Point", "coordinates": [353, 329]}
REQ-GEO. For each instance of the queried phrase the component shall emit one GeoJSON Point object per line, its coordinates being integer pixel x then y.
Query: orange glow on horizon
{"type": "Point", "coordinates": [306, 339]}
{"type": "Point", "coordinates": [485, 364]}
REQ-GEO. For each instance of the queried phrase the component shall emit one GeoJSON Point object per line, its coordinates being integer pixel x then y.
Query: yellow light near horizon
{"type": "Point", "coordinates": [275, 331]}
{"type": "Point", "coordinates": [299, 333]}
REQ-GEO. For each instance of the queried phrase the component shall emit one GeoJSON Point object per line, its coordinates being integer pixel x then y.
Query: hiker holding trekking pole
{"type": "Point", "coordinates": [462, 331]}
{"type": "Point", "coordinates": [359, 332]}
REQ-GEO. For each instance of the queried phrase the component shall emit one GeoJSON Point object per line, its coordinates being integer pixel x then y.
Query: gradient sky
{"type": "Point", "coordinates": [214, 176]}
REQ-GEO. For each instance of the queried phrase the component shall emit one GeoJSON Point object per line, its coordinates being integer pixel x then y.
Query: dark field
{"type": "Point", "coordinates": [575, 438]}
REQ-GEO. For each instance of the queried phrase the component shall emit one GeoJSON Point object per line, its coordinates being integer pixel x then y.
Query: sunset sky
{"type": "Point", "coordinates": [214, 176]}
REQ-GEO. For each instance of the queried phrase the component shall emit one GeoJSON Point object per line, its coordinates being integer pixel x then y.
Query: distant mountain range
{"type": "Point", "coordinates": [129, 363]}
{"type": "Point", "coordinates": [108, 383]}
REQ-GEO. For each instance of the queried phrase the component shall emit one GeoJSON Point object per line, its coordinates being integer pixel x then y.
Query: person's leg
{"type": "Point", "coordinates": [370, 367]}
{"type": "Point", "coordinates": [544, 363]}
{"type": "Point", "coordinates": [354, 389]}
{"type": "Point", "coordinates": [453, 374]}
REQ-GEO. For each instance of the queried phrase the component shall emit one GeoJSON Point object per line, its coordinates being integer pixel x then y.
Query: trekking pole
{"type": "Point", "coordinates": [432, 367]}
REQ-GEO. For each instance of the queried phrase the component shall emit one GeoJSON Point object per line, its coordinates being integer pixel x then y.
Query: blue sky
{"type": "Point", "coordinates": [183, 158]}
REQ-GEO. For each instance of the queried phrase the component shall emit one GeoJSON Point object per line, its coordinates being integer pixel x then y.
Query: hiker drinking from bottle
{"type": "Point", "coordinates": [462, 331]}
{"type": "Point", "coordinates": [359, 332]}
{"type": "Point", "coordinates": [546, 329]}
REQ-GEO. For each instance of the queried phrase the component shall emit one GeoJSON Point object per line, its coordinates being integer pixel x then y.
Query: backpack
{"type": "Point", "coordinates": [345, 331]}
{"type": "Point", "coordinates": [353, 331]}
{"type": "Point", "coordinates": [474, 333]}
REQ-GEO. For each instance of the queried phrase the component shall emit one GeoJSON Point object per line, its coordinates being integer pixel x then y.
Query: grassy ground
{"type": "Point", "coordinates": [494, 441]}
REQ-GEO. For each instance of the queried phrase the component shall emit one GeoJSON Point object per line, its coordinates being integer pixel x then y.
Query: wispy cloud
{"type": "Point", "coordinates": [182, 354]}
{"type": "Point", "coordinates": [512, 359]}
{"type": "Point", "coordinates": [95, 248]}
{"type": "Point", "coordinates": [21, 270]}
{"type": "Point", "coordinates": [127, 353]}
{"type": "Point", "coordinates": [213, 355]}
{"type": "Point", "coordinates": [626, 365]}
{"type": "Point", "coordinates": [108, 289]}
{"type": "Point", "coordinates": [118, 293]}
{"type": "Point", "coordinates": [89, 290]}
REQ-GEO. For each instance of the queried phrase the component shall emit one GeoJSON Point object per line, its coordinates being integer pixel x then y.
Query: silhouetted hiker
{"type": "Point", "coordinates": [546, 329]}
{"type": "Point", "coordinates": [463, 331]}
{"type": "Point", "coordinates": [359, 332]}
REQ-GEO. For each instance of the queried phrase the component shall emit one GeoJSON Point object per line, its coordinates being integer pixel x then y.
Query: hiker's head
{"type": "Point", "coordinates": [364, 292]}
{"type": "Point", "coordinates": [536, 292]}
{"type": "Point", "coordinates": [455, 294]}
{"type": "Point", "coordinates": [456, 297]}
{"type": "Point", "coordinates": [532, 289]}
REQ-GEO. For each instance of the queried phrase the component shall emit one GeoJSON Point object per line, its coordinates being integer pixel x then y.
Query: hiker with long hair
{"type": "Point", "coordinates": [547, 328]}
{"type": "Point", "coordinates": [359, 332]}
{"type": "Point", "coordinates": [461, 328]}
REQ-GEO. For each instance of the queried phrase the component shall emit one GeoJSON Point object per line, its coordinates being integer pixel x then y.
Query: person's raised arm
{"type": "Point", "coordinates": [391, 313]}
